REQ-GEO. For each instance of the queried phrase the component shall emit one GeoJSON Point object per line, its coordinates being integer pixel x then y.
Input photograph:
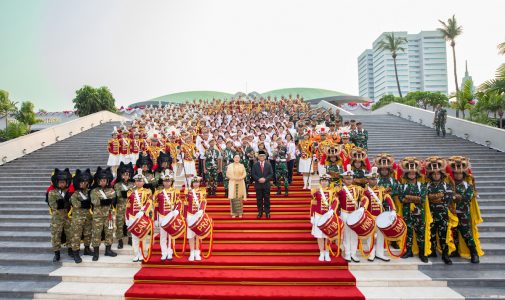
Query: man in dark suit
{"type": "Point", "coordinates": [262, 172]}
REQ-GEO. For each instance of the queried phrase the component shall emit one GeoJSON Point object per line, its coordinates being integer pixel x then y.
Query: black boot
{"type": "Point", "coordinates": [445, 257]}
{"type": "Point", "coordinates": [407, 254]}
{"type": "Point", "coordinates": [130, 240]}
{"type": "Point", "coordinates": [109, 252]}
{"type": "Point", "coordinates": [286, 193]}
{"type": "Point", "coordinates": [77, 257]}
{"type": "Point", "coordinates": [433, 252]}
{"type": "Point", "coordinates": [56, 257]}
{"type": "Point", "coordinates": [422, 257]}
{"type": "Point", "coordinates": [278, 191]}
{"type": "Point", "coordinates": [87, 251]}
{"type": "Point", "coordinates": [226, 194]}
{"type": "Point", "coordinates": [70, 252]}
{"type": "Point", "coordinates": [455, 253]}
{"type": "Point", "coordinates": [96, 253]}
{"type": "Point", "coordinates": [474, 257]}
{"type": "Point", "coordinates": [120, 244]}
{"type": "Point", "coordinates": [394, 245]}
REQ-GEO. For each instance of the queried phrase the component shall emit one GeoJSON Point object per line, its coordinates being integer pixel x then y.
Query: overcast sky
{"type": "Point", "coordinates": [145, 49]}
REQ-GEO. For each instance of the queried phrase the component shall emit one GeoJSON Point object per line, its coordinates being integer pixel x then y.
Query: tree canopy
{"type": "Point", "coordinates": [89, 100]}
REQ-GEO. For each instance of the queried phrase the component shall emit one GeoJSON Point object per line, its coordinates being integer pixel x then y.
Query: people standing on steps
{"type": "Point", "coordinates": [168, 205]}
{"type": "Point", "coordinates": [103, 198]}
{"type": "Point", "coordinates": [58, 199]}
{"type": "Point", "coordinates": [113, 149]}
{"type": "Point", "coordinates": [439, 120]}
{"type": "Point", "coordinates": [415, 209]}
{"type": "Point", "coordinates": [262, 173]}
{"type": "Point", "coordinates": [281, 167]}
{"type": "Point", "coordinates": [440, 195]}
{"type": "Point", "coordinates": [140, 203]}
{"type": "Point", "coordinates": [307, 161]}
{"type": "Point", "coordinates": [211, 165]}
{"type": "Point", "coordinates": [236, 174]}
{"type": "Point", "coordinates": [124, 182]}
{"type": "Point", "coordinates": [80, 213]}
{"type": "Point", "coordinates": [380, 201]}
{"type": "Point", "coordinates": [196, 200]}
{"type": "Point", "coordinates": [351, 197]}
{"type": "Point", "coordinates": [323, 201]}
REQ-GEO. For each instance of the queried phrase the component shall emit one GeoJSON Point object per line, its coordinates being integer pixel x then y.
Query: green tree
{"type": "Point", "coordinates": [90, 100]}
{"type": "Point", "coordinates": [450, 31]}
{"type": "Point", "coordinates": [26, 114]}
{"type": "Point", "coordinates": [424, 99]}
{"type": "Point", "coordinates": [7, 106]}
{"type": "Point", "coordinates": [463, 98]}
{"type": "Point", "coordinates": [394, 45]}
{"type": "Point", "coordinates": [13, 130]}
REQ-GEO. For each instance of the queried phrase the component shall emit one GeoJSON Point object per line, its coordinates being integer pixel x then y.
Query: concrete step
{"type": "Point", "coordinates": [10, 289]}
{"type": "Point", "coordinates": [28, 236]}
{"type": "Point", "coordinates": [481, 293]}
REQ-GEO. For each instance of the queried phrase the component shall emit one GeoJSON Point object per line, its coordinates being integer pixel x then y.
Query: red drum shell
{"type": "Point", "coordinates": [202, 225]}
{"type": "Point", "coordinates": [331, 225]}
{"type": "Point", "coordinates": [392, 229]}
{"type": "Point", "coordinates": [140, 227]}
{"type": "Point", "coordinates": [175, 227]}
{"type": "Point", "coordinates": [364, 223]}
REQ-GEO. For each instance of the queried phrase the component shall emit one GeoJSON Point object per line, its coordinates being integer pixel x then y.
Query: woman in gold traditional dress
{"type": "Point", "coordinates": [236, 174]}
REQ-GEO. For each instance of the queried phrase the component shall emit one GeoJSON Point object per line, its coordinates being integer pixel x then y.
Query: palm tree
{"type": "Point", "coordinates": [450, 31]}
{"type": "Point", "coordinates": [394, 45]}
{"type": "Point", "coordinates": [463, 97]}
{"type": "Point", "coordinates": [7, 106]}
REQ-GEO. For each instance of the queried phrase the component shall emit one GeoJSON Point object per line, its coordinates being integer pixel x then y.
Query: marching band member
{"type": "Point", "coordinates": [113, 148]}
{"type": "Point", "coordinates": [350, 197]}
{"type": "Point", "coordinates": [139, 203]}
{"type": "Point", "coordinates": [195, 200]}
{"type": "Point", "coordinates": [380, 200]}
{"type": "Point", "coordinates": [323, 200]}
{"type": "Point", "coordinates": [306, 147]}
{"type": "Point", "coordinates": [168, 205]}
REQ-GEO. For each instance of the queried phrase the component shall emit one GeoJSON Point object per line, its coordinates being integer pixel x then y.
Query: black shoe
{"type": "Point", "coordinates": [445, 257]}
{"type": "Point", "coordinates": [87, 251]}
{"type": "Point", "coordinates": [278, 191]}
{"type": "Point", "coordinates": [109, 252]}
{"type": "Point", "coordinates": [77, 257]}
{"type": "Point", "coordinates": [96, 253]}
{"type": "Point", "coordinates": [130, 240]}
{"type": "Point", "coordinates": [225, 194]}
{"type": "Point", "coordinates": [286, 193]}
{"type": "Point", "coordinates": [56, 257]}
{"type": "Point", "coordinates": [394, 245]}
{"type": "Point", "coordinates": [268, 215]}
{"type": "Point", "coordinates": [474, 257]}
{"type": "Point", "coordinates": [423, 258]}
{"type": "Point", "coordinates": [433, 252]}
{"type": "Point", "coordinates": [408, 254]}
{"type": "Point", "coordinates": [259, 215]}
{"type": "Point", "coordinates": [70, 252]}
{"type": "Point", "coordinates": [120, 244]}
{"type": "Point", "coordinates": [455, 253]}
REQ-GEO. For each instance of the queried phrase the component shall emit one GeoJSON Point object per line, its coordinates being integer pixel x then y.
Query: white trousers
{"type": "Point", "coordinates": [378, 247]}
{"type": "Point", "coordinates": [165, 243]}
{"type": "Point", "coordinates": [350, 239]}
{"type": "Point", "coordinates": [136, 246]}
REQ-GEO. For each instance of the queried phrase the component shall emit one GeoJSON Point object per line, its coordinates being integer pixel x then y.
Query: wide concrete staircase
{"type": "Point", "coordinates": [25, 243]}
{"type": "Point", "coordinates": [404, 138]}
{"type": "Point", "coordinates": [25, 255]}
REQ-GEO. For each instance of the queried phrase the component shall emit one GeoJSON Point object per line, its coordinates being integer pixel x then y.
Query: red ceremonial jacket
{"type": "Point", "coordinates": [113, 146]}
{"type": "Point", "coordinates": [375, 207]}
{"type": "Point", "coordinates": [133, 206]}
{"type": "Point", "coordinates": [318, 206]}
{"type": "Point", "coordinates": [349, 205]}
{"type": "Point", "coordinates": [165, 204]}
{"type": "Point", "coordinates": [191, 206]}
{"type": "Point", "coordinates": [124, 146]}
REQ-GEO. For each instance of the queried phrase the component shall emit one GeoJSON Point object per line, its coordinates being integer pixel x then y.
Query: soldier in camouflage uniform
{"type": "Point", "coordinates": [440, 120]}
{"type": "Point", "coordinates": [58, 201]}
{"type": "Point", "coordinates": [439, 197]}
{"type": "Point", "coordinates": [123, 184]}
{"type": "Point", "coordinates": [164, 162]}
{"type": "Point", "coordinates": [413, 196]}
{"type": "Point", "coordinates": [103, 198]}
{"type": "Point", "coordinates": [211, 165]}
{"type": "Point", "coordinates": [333, 165]}
{"type": "Point", "coordinates": [146, 164]}
{"type": "Point", "coordinates": [463, 195]}
{"type": "Point", "coordinates": [228, 154]}
{"type": "Point", "coordinates": [358, 158]}
{"type": "Point", "coordinates": [81, 215]}
{"type": "Point", "coordinates": [360, 137]}
{"type": "Point", "coordinates": [281, 166]}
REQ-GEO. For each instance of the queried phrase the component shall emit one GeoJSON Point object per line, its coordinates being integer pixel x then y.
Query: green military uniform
{"type": "Point", "coordinates": [212, 156]}
{"type": "Point", "coordinates": [414, 216]}
{"type": "Point", "coordinates": [390, 184]}
{"type": "Point", "coordinates": [102, 200]}
{"type": "Point", "coordinates": [439, 197]}
{"type": "Point", "coordinates": [359, 174]}
{"type": "Point", "coordinates": [60, 222]}
{"type": "Point", "coordinates": [281, 169]}
{"type": "Point", "coordinates": [81, 221]}
{"type": "Point", "coordinates": [440, 120]}
{"type": "Point", "coordinates": [360, 138]}
{"type": "Point", "coordinates": [334, 169]}
{"type": "Point", "coordinates": [244, 160]}
{"type": "Point", "coordinates": [228, 155]}
{"type": "Point", "coordinates": [463, 212]}
{"type": "Point", "coordinates": [121, 189]}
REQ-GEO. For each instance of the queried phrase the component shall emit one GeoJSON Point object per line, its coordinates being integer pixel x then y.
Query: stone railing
{"type": "Point", "coordinates": [23, 145]}
{"type": "Point", "coordinates": [491, 137]}
{"type": "Point", "coordinates": [327, 105]}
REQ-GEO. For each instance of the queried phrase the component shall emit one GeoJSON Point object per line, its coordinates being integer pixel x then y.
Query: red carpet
{"type": "Point", "coordinates": [251, 259]}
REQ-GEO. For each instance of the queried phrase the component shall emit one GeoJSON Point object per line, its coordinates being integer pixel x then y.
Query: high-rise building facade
{"type": "Point", "coordinates": [421, 67]}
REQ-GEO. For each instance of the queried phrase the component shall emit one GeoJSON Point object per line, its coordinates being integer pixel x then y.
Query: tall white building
{"type": "Point", "coordinates": [421, 67]}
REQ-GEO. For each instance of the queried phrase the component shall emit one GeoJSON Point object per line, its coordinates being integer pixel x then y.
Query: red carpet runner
{"type": "Point", "coordinates": [251, 259]}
